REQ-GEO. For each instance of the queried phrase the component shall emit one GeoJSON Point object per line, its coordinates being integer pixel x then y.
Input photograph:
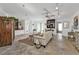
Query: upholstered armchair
{"type": "Point", "coordinates": [43, 40]}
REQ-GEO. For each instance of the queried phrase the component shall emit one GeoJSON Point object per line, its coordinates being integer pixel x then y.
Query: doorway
{"type": "Point", "coordinates": [59, 27]}
{"type": "Point", "coordinates": [59, 30]}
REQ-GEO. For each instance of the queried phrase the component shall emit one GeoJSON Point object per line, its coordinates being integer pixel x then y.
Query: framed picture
{"type": "Point", "coordinates": [51, 23]}
{"type": "Point", "coordinates": [20, 25]}
{"type": "Point", "coordinates": [66, 24]}
{"type": "Point", "coordinates": [75, 22]}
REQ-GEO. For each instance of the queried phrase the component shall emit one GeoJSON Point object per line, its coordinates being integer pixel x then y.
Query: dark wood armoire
{"type": "Point", "coordinates": [6, 31]}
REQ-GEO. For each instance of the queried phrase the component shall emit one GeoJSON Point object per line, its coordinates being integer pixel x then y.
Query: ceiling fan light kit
{"type": "Point", "coordinates": [48, 14]}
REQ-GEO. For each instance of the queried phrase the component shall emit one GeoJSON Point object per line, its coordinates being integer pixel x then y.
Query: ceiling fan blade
{"type": "Point", "coordinates": [52, 15]}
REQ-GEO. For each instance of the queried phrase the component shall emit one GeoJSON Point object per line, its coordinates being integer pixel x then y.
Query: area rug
{"type": "Point", "coordinates": [28, 41]}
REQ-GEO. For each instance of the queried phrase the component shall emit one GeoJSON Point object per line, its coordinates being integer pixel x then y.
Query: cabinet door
{"type": "Point", "coordinates": [5, 33]}
{"type": "Point", "coordinates": [1, 33]}
{"type": "Point", "coordinates": [8, 33]}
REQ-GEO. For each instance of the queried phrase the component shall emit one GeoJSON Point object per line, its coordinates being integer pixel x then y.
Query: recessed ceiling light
{"type": "Point", "coordinates": [56, 8]}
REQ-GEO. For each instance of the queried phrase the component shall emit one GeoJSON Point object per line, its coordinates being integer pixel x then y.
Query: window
{"type": "Point", "coordinates": [42, 27]}
{"type": "Point", "coordinates": [38, 27]}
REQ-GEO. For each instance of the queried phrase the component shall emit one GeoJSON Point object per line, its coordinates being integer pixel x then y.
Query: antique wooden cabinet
{"type": "Point", "coordinates": [6, 31]}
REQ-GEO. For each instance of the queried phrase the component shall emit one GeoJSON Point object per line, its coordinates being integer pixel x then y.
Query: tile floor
{"type": "Point", "coordinates": [55, 47]}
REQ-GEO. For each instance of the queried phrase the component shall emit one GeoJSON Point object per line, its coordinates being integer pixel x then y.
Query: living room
{"type": "Point", "coordinates": [39, 28]}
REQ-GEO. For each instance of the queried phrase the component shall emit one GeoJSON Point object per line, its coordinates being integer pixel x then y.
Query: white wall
{"type": "Point", "coordinates": [65, 30]}
{"type": "Point", "coordinates": [35, 21]}
{"type": "Point", "coordinates": [28, 25]}
{"type": "Point", "coordinates": [76, 14]}
{"type": "Point", "coordinates": [70, 20]}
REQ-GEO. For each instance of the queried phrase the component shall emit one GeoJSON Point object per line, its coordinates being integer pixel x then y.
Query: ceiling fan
{"type": "Point", "coordinates": [49, 14]}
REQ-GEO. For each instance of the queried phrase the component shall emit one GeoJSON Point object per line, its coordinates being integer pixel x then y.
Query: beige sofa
{"type": "Point", "coordinates": [43, 40]}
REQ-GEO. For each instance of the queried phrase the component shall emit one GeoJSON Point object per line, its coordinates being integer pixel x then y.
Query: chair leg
{"type": "Point", "coordinates": [34, 43]}
{"type": "Point", "coordinates": [44, 46]}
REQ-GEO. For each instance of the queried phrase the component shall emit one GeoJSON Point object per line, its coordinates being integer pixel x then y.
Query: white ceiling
{"type": "Point", "coordinates": [36, 10]}
{"type": "Point", "coordinates": [66, 9]}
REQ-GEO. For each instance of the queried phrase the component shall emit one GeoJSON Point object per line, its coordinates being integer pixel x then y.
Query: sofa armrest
{"type": "Point", "coordinates": [39, 37]}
